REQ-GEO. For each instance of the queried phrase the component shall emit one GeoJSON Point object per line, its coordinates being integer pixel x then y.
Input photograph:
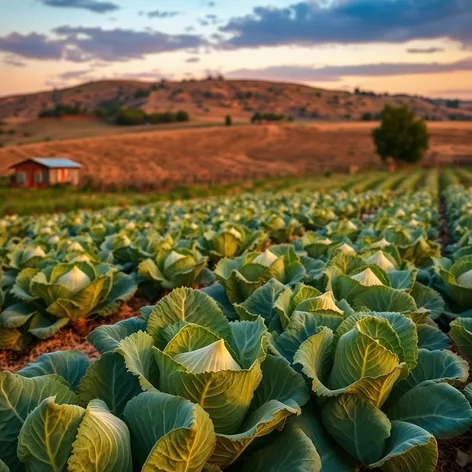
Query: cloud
{"type": "Point", "coordinates": [83, 75]}
{"type": "Point", "coordinates": [124, 45]}
{"type": "Point", "coordinates": [154, 74]}
{"type": "Point", "coordinates": [291, 73]}
{"type": "Point", "coordinates": [32, 46]}
{"type": "Point", "coordinates": [211, 4]}
{"type": "Point", "coordinates": [161, 14]}
{"type": "Point", "coordinates": [90, 5]}
{"type": "Point", "coordinates": [466, 92]}
{"type": "Point", "coordinates": [209, 19]}
{"type": "Point", "coordinates": [192, 59]}
{"type": "Point", "coordinates": [75, 74]}
{"type": "Point", "coordinates": [351, 21]}
{"type": "Point", "coordinates": [56, 84]}
{"type": "Point", "coordinates": [424, 50]}
{"type": "Point", "coordinates": [12, 61]}
{"type": "Point", "coordinates": [336, 73]}
{"type": "Point", "coordinates": [83, 44]}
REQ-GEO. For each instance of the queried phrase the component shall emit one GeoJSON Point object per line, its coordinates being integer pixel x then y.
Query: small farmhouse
{"type": "Point", "coordinates": [40, 172]}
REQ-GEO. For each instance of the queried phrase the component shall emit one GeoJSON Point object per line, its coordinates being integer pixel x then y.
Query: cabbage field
{"type": "Point", "coordinates": [299, 331]}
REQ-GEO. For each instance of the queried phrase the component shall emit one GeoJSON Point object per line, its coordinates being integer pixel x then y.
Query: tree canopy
{"type": "Point", "coordinates": [401, 136]}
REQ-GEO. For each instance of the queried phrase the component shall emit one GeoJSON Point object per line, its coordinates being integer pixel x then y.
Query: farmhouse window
{"type": "Point", "coordinates": [38, 178]}
{"type": "Point", "coordinates": [63, 175]}
{"type": "Point", "coordinates": [21, 178]}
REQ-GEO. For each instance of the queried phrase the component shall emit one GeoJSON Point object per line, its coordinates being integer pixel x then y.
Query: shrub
{"type": "Point", "coordinates": [259, 117]}
{"type": "Point", "coordinates": [168, 117]}
{"type": "Point", "coordinates": [401, 135]}
{"type": "Point", "coordinates": [453, 103]}
{"type": "Point", "coordinates": [108, 108]}
{"type": "Point", "coordinates": [228, 120]}
{"type": "Point", "coordinates": [181, 116]}
{"type": "Point", "coordinates": [62, 110]}
{"type": "Point", "coordinates": [130, 117]}
{"type": "Point", "coordinates": [142, 93]}
{"type": "Point", "coordinates": [367, 116]}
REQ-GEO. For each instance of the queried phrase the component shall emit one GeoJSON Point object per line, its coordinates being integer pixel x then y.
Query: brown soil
{"type": "Point", "coordinates": [73, 337]}
{"type": "Point", "coordinates": [448, 453]}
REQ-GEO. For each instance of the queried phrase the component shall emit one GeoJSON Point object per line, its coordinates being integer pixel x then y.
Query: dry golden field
{"type": "Point", "coordinates": [238, 152]}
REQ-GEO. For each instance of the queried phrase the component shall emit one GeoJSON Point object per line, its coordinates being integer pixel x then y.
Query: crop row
{"type": "Point", "coordinates": [316, 343]}
{"type": "Point", "coordinates": [58, 269]}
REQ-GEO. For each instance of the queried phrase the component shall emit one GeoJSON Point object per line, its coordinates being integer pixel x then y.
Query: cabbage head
{"type": "Point", "coordinates": [128, 252]}
{"type": "Point", "coordinates": [25, 256]}
{"type": "Point", "coordinates": [456, 283]}
{"type": "Point", "coordinates": [242, 276]}
{"type": "Point", "coordinates": [281, 228]}
{"type": "Point", "coordinates": [380, 398]}
{"type": "Point", "coordinates": [44, 427]}
{"type": "Point", "coordinates": [230, 241]}
{"type": "Point", "coordinates": [69, 292]}
{"type": "Point", "coordinates": [188, 349]}
{"type": "Point", "coordinates": [173, 268]}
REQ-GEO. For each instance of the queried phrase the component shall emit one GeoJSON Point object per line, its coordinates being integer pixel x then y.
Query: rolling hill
{"type": "Point", "coordinates": [210, 100]}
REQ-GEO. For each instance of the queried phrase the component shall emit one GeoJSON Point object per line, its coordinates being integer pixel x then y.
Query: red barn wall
{"type": "Point", "coordinates": [30, 169]}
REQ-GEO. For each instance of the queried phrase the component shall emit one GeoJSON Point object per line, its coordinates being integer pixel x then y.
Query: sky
{"type": "Point", "coordinates": [421, 47]}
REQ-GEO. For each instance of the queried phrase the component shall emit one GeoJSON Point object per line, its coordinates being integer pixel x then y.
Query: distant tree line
{"type": "Point", "coordinates": [62, 110]}
{"type": "Point", "coordinates": [453, 104]}
{"type": "Point", "coordinates": [260, 117]}
{"type": "Point", "coordinates": [136, 116]}
{"type": "Point", "coordinates": [113, 111]}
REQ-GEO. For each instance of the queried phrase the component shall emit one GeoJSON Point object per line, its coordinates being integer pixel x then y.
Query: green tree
{"type": "Point", "coordinates": [182, 115]}
{"type": "Point", "coordinates": [130, 117]}
{"type": "Point", "coordinates": [228, 120]}
{"type": "Point", "coordinates": [401, 135]}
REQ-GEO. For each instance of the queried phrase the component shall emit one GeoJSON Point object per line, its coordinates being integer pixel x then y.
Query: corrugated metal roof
{"type": "Point", "coordinates": [57, 162]}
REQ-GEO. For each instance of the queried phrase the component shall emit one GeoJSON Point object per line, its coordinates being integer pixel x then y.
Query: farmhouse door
{"type": "Point", "coordinates": [29, 178]}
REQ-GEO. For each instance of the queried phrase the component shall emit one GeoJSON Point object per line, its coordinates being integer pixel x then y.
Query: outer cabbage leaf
{"type": "Point", "coordinates": [280, 394]}
{"type": "Point", "coordinates": [109, 380]}
{"type": "Point", "coordinates": [358, 427]}
{"type": "Point", "coordinates": [409, 449]}
{"type": "Point", "coordinates": [18, 397]}
{"type": "Point", "coordinates": [70, 365]}
{"type": "Point", "coordinates": [106, 338]}
{"type": "Point", "coordinates": [438, 408]}
{"type": "Point", "coordinates": [191, 306]}
{"type": "Point", "coordinates": [102, 442]}
{"type": "Point", "coordinates": [293, 450]}
{"type": "Point", "coordinates": [46, 437]}
{"type": "Point", "coordinates": [179, 435]}
{"type": "Point", "coordinates": [461, 333]}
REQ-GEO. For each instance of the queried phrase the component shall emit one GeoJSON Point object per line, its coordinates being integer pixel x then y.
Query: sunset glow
{"type": "Point", "coordinates": [386, 46]}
